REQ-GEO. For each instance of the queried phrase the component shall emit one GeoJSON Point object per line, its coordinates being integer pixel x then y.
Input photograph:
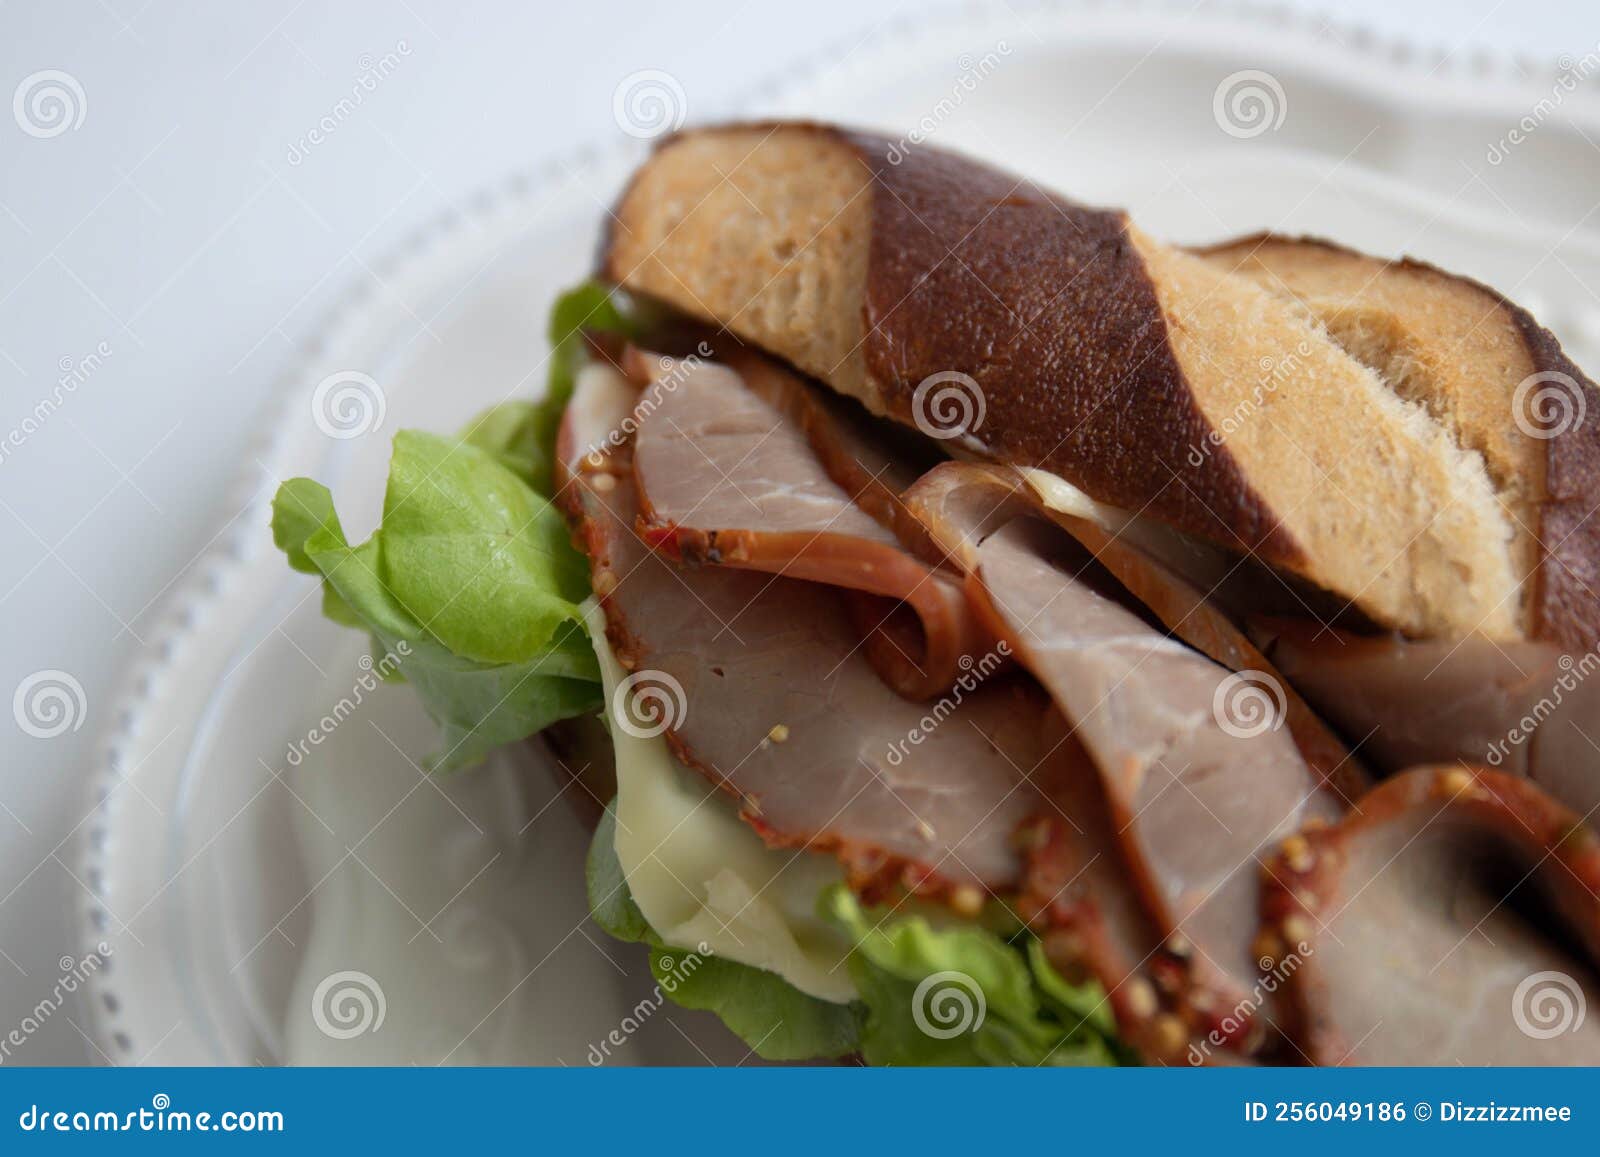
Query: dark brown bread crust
{"type": "Point", "coordinates": [1566, 598]}
{"type": "Point", "coordinates": [1567, 594]}
{"type": "Point", "coordinates": [1047, 305]}
{"type": "Point", "coordinates": [1049, 308]}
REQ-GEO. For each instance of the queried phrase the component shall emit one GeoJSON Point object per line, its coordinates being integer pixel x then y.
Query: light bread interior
{"type": "Point", "coordinates": [763, 232]}
{"type": "Point", "coordinates": [1395, 513]}
{"type": "Point", "coordinates": [1438, 340]}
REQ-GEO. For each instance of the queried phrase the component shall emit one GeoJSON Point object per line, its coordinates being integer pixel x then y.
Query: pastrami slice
{"type": "Point", "coordinates": [1452, 918]}
{"type": "Point", "coordinates": [1194, 793]}
{"type": "Point", "coordinates": [726, 477]}
{"type": "Point", "coordinates": [959, 504]}
{"type": "Point", "coordinates": [776, 705]}
{"type": "Point", "coordinates": [1521, 707]}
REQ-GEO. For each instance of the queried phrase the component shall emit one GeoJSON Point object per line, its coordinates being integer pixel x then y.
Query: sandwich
{"type": "Point", "coordinates": [997, 636]}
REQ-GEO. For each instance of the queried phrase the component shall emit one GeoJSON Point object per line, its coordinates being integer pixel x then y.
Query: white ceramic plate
{"type": "Point", "coordinates": [250, 905]}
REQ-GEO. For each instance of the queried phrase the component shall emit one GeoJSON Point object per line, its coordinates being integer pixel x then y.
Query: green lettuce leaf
{"type": "Point", "coordinates": [921, 988]}
{"type": "Point", "coordinates": [470, 583]}
{"type": "Point", "coordinates": [610, 902]}
{"type": "Point", "coordinates": [962, 995]}
{"type": "Point", "coordinates": [772, 1016]}
{"type": "Point", "coordinates": [513, 433]}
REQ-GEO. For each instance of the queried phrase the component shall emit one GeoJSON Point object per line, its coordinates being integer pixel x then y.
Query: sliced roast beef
{"type": "Point", "coordinates": [769, 695]}
{"type": "Point", "coordinates": [765, 693]}
{"type": "Point", "coordinates": [875, 460]}
{"type": "Point", "coordinates": [725, 476]}
{"type": "Point", "coordinates": [958, 504]}
{"type": "Point", "coordinates": [1197, 784]}
{"type": "Point", "coordinates": [1192, 802]}
{"type": "Point", "coordinates": [1520, 707]}
{"type": "Point", "coordinates": [1453, 918]}
{"type": "Point", "coordinates": [1077, 894]}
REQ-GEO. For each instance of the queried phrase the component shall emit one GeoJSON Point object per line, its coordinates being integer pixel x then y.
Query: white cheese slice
{"type": "Point", "coordinates": [1202, 564]}
{"type": "Point", "coordinates": [701, 875]}
{"type": "Point", "coordinates": [1059, 494]}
